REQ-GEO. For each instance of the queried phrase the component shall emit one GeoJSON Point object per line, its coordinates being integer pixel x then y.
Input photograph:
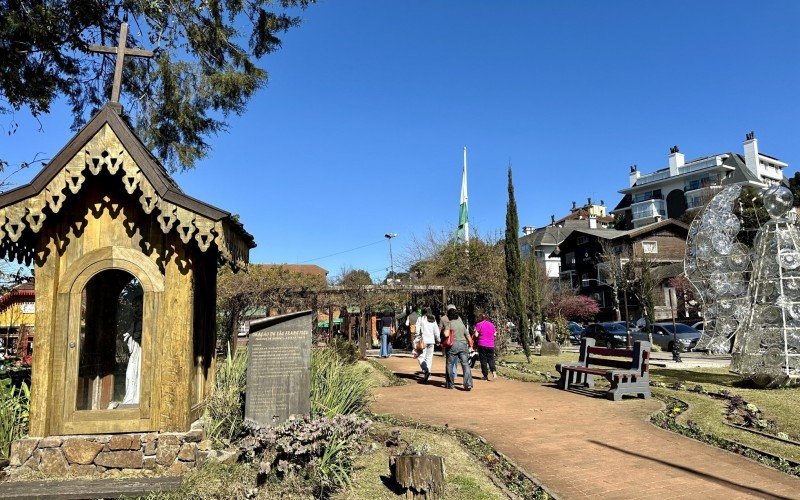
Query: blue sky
{"type": "Point", "coordinates": [369, 104]}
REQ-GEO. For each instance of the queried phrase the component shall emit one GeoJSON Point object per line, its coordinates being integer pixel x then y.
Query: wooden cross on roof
{"type": "Point", "coordinates": [121, 50]}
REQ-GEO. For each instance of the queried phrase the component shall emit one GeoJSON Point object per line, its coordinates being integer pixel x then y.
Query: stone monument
{"type": "Point", "coordinates": [279, 368]}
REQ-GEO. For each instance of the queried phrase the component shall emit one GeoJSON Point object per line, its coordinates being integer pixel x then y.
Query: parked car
{"type": "Point", "coordinates": [610, 334]}
{"type": "Point", "coordinates": [663, 335]}
{"type": "Point", "coordinates": [631, 325]}
{"type": "Point", "coordinates": [575, 332]}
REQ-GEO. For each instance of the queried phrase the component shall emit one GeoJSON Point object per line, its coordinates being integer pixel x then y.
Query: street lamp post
{"type": "Point", "coordinates": [389, 237]}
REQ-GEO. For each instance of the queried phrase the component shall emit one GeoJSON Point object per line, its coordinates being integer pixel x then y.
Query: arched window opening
{"type": "Point", "coordinates": [110, 342]}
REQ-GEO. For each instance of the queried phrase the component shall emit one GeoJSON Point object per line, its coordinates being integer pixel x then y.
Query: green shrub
{"type": "Point", "coordinates": [224, 409]}
{"type": "Point", "coordinates": [337, 388]}
{"type": "Point", "coordinates": [346, 350]}
{"type": "Point", "coordinates": [14, 412]}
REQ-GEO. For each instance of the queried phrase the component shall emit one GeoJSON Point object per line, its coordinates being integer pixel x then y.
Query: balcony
{"type": "Point", "coordinates": [649, 208]}
{"type": "Point", "coordinates": [654, 177]}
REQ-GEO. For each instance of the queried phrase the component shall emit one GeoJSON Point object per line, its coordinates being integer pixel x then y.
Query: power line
{"type": "Point", "coordinates": [343, 251]}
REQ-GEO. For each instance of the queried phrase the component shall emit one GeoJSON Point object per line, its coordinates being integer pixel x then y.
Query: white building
{"type": "Point", "coordinates": [681, 186]}
{"type": "Point", "coordinates": [544, 241]}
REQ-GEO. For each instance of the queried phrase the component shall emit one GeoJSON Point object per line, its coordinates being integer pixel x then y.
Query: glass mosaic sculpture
{"type": "Point", "coordinates": [751, 296]}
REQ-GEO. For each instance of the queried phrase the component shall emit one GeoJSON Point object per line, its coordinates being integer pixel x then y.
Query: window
{"type": "Point", "coordinates": [539, 254]}
{"type": "Point", "coordinates": [618, 249]}
{"type": "Point", "coordinates": [570, 258]}
{"type": "Point", "coordinates": [650, 246]}
{"type": "Point", "coordinates": [655, 194]}
{"type": "Point", "coordinates": [582, 240]}
{"type": "Point", "coordinates": [110, 342]}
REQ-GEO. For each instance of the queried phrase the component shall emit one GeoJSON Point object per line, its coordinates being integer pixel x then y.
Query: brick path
{"type": "Point", "coordinates": [580, 446]}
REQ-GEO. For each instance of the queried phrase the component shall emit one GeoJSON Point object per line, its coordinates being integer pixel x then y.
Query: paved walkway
{"type": "Point", "coordinates": [583, 447]}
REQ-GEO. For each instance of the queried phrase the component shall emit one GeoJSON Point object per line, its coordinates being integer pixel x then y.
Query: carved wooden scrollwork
{"type": "Point", "coordinates": [105, 151]}
{"type": "Point", "coordinates": [167, 216]}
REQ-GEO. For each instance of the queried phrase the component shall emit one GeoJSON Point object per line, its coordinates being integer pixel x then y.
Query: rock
{"type": "Point", "coordinates": [149, 463]}
{"type": "Point", "coordinates": [204, 445]}
{"type": "Point", "coordinates": [123, 442]}
{"type": "Point", "coordinates": [34, 461]}
{"type": "Point", "coordinates": [178, 468]}
{"type": "Point", "coordinates": [228, 457]}
{"type": "Point", "coordinates": [170, 439]}
{"type": "Point", "coordinates": [194, 436]}
{"type": "Point", "coordinates": [53, 461]}
{"type": "Point", "coordinates": [188, 452]}
{"type": "Point", "coordinates": [21, 451]}
{"type": "Point", "coordinates": [166, 454]}
{"type": "Point", "coordinates": [550, 349]}
{"type": "Point", "coordinates": [50, 442]}
{"type": "Point", "coordinates": [150, 448]}
{"type": "Point", "coordinates": [83, 470]}
{"type": "Point", "coordinates": [150, 437]}
{"type": "Point", "coordinates": [202, 457]}
{"type": "Point", "coordinates": [81, 451]}
{"type": "Point", "coordinates": [120, 459]}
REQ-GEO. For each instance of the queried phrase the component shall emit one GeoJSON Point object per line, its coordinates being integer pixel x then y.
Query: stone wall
{"type": "Point", "coordinates": [174, 452]}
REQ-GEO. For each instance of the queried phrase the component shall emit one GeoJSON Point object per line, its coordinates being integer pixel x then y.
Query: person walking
{"type": "Point", "coordinates": [387, 331]}
{"type": "Point", "coordinates": [444, 328]}
{"type": "Point", "coordinates": [411, 325]}
{"type": "Point", "coordinates": [427, 334]}
{"type": "Point", "coordinates": [462, 341]}
{"type": "Point", "coordinates": [486, 332]}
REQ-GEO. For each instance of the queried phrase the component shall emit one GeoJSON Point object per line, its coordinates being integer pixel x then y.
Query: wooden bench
{"type": "Point", "coordinates": [627, 376]}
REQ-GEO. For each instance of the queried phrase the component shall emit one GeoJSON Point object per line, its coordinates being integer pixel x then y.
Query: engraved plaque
{"type": "Point", "coordinates": [279, 368]}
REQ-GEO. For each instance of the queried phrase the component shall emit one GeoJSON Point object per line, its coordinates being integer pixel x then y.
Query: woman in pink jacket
{"type": "Point", "coordinates": [485, 331]}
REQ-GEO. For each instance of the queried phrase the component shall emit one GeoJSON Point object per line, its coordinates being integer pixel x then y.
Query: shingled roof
{"type": "Point", "coordinates": [100, 145]}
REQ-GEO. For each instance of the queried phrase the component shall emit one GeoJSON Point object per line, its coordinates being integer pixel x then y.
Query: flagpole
{"type": "Point", "coordinates": [466, 198]}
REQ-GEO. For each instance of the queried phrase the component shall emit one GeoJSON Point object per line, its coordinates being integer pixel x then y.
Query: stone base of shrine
{"type": "Point", "coordinates": [173, 452]}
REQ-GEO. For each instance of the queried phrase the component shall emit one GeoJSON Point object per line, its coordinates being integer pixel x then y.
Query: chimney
{"type": "Point", "coordinates": [634, 176]}
{"type": "Point", "coordinates": [592, 221]}
{"type": "Point", "coordinates": [676, 161]}
{"type": "Point", "coordinates": [589, 201]}
{"type": "Point", "coordinates": [751, 153]}
{"type": "Point", "coordinates": [526, 230]}
{"type": "Point", "coordinates": [574, 206]}
{"type": "Point", "coordinates": [552, 220]}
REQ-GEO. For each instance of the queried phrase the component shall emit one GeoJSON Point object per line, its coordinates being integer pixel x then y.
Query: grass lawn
{"type": "Point", "coordinates": [780, 405]}
{"type": "Point", "coordinates": [466, 477]}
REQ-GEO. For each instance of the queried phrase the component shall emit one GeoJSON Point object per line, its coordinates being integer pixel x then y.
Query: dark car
{"type": "Point", "coordinates": [607, 334]}
{"type": "Point", "coordinates": [663, 335]}
{"type": "Point", "coordinates": [575, 332]}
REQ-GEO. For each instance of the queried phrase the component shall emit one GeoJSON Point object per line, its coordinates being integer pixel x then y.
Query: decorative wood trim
{"type": "Point", "coordinates": [104, 151]}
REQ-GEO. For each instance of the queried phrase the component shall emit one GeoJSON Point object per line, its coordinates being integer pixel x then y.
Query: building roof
{"type": "Point", "coordinates": [312, 269]}
{"type": "Point", "coordinates": [613, 234]}
{"type": "Point", "coordinates": [667, 271]}
{"type": "Point", "coordinates": [21, 292]}
{"type": "Point", "coordinates": [50, 186]}
{"type": "Point", "coordinates": [582, 214]}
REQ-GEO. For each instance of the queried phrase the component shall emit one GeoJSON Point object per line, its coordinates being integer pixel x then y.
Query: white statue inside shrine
{"type": "Point", "coordinates": [133, 339]}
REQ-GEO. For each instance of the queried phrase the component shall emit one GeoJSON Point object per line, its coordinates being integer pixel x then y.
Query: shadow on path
{"type": "Point", "coordinates": [709, 477]}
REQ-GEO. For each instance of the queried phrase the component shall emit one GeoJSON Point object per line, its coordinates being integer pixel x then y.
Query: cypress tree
{"type": "Point", "coordinates": [515, 301]}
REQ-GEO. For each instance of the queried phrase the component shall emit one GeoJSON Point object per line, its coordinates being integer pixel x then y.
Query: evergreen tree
{"type": "Point", "coordinates": [535, 292]}
{"type": "Point", "coordinates": [515, 301]}
{"type": "Point", "coordinates": [205, 66]}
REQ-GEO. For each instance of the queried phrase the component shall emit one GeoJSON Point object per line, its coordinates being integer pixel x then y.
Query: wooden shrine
{"type": "Point", "coordinates": [125, 266]}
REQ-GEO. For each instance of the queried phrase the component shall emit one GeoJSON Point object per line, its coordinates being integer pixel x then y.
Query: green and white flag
{"type": "Point", "coordinates": [462, 236]}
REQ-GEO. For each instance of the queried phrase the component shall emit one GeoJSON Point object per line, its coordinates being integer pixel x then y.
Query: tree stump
{"type": "Point", "coordinates": [422, 476]}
